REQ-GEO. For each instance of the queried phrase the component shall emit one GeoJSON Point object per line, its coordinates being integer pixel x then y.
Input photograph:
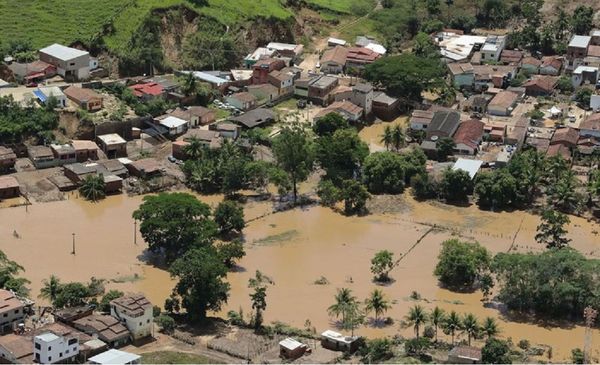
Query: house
{"type": "Point", "coordinates": [332, 42]}
{"type": "Point", "coordinates": [577, 50]}
{"type": "Point", "coordinates": [9, 187]}
{"type": "Point", "coordinates": [468, 136]}
{"type": "Point", "coordinates": [195, 115]}
{"type": "Point", "coordinates": [420, 119]}
{"type": "Point", "coordinates": [498, 75]}
{"type": "Point", "coordinates": [174, 125]}
{"type": "Point", "coordinates": [145, 168]}
{"type": "Point", "coordinates": [85, 150]}
{"type": "Point", "coordinates": [292, 51]}
{"type": "Point", "coordinates": [494, 132]}
{"type": "Point", "coordinates": [503, 103]}
{"type": "Point", "coordinates": [115, 167]}
{"type": "Point", "coordinates": [470, 166]}
{"type": "Point", "coordinates": [567, 137]}
{"type": "Point", "coordinates": [584, 74]}
{"type": "Point", "coordinates": [443, 124]}
{"type": "Point", "coordinates": [456, 46]}
{"type": "Point", "coordinates": [462, 74]}
{"type": "Point", "coordinates": [291, 349]}
{"type": "Point", "coordinates": [531, 65]}
{"type": "Point", "coordinates": [106, 328]}
{"type": "Point", "coordinates": [215, 82]}
{"type": "Point", "coordinates": [283, 80]}
{"type": "Point", "coordinates": [15, 349]}
{"type": "Point", "coordinates": [63, 154]}
{"type": "Point", "coordinates": [341, 93]}
{"type": "Point", "coordinates": [333, 60]}
{"type": "Point", "coordinates": [86, 99]}
{"type": "Point", "coordinates": [542, 85]}
{"type": "Point", "coordinates": [41, 156]}
{"type": "Point", "coordinates": [348, 110]}
{"type": "Point", "coordinates": [254, 118]}
{"type": "Point", "coordinates": [464, 355]}
{"type": "Point", "coordinates": [593, 56]}
{"type": "Point", "coordinates": [147, 91]}
{"type": "Point", "coordinates": [492, 48]}
{"type": "Point", "coordinates": [476, 103]}
{"type": "Point", "coordinates": [262, 69]}
{"type": "Point", "coordinates": [50, 348]}
{"type": "Point", "coordinates": [559, 150]}
{"type": "Point", "coordinates": [588, 145]}
{"type": "Point", "coordinates": [71, 63]}
{"type": "Point", "coordinates": [113, 145]}
{"type": "Point", "coordinates": [264, 93]}
{"type": "Point", "coordinates": [511, 57]}
{"type": "Point", "coordinates": [243, 100]}
{"type": "Point", "coordinates": [594, 106]}
{"type": "Point", "coordinates": [7, 159]}
{"type": "Point", "coordinates": [551, 65]}
{"type": "Point", "coordinates": [362, 95]}
{"type": "Point", "coordinates": [115, 357]}
{"type": "Point", "coordinates": [167, 82]}
{"type": "Point", "coordinates": [11, 308]}
{"type": "Point", "coordinates": [35, 71]}
{"type": "Point", "coordinates": [43, 94]}
{"type": "Point", "coordinates": [358, 57]}
{"type": "Point", "coordinates": [515, 134]}
{"type": "Point", "coordinates": [258, 54]}
{"type": "Point", "coordinates": [320, 88]}
{"type": "Point", "coordinates": [385, 107]}
{"type": "Point", "coordinates": [135, 312]}
{"type": "Point", "coordinates": [337, 342]}
{"type": "Point", "coordinates": [208, 138]}
{"type": "Point", "coordinates": [590, 127]}
{"type": "Point", "coordinates": [228, 130]}
{"type": "Point", "coordinates": [77, 172]}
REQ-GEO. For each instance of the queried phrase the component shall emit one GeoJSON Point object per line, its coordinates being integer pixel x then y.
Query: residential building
{"type": "Point", "coordinates": [542, 85]}
{"type": "Point", "coordinates": [174, 125]}
{"type": "Point", "coordinates": [511, 57]}
{"type": "Point", "coordinates": [289, 348]}
{"type": "Point", "coordinates": [341, 93]}
{"type": "Point", "coordinates": [115, 357]}
{"type": "Point", "coordinates": [319, 89]}
{"type": "Point", "coordinates": [584, 75]}
{"type": "Point", "coordinates": [594, 105]}
{"type": "Point", "coordinates": [464, 355]}
{"type": "Point", "coordinates": [292, 51]}
{"type": "Point", "coordinates": [577, 50]}
{"type": "Point", "coordinates": [71, 63]}
{"type": "Point", "coordinates": [358, 57]}
{"type": "Point", "coordinates": [11, 308]}
{"type": "Point", "coordinates": [85, 150]}
{"type": "Point", "coordinates": [264, 93]}
{"type": "Point", "coordinates": [86, 99]}
{"type": "Point", "coordinates": [462, 74]}
{"type": "Point", "coordinates": [385, 107]}
{"type": "Point", "coordinates": [559, 150]}
{"type": "Point", "coordinates": [15, 349]}
{"type": "Point", "coordinates": [567, 137]}
{"type": "Point", "coordinates": [337, 342]}
{"type": "Point", "coordinates": [301, 86]}
{"type": "Point", "coordinates": [283, 81]}
{"type": "Point", "coordinates": [468, 137]}
{"type": "Point", "coordinates": [63, 154]}
{"type": "Point", "coordinates": [35, 71]}
{"type": "Point", "coordinates": [470, 166]}
{"type": "Point", "coordinates": [148, 90]}
{"type": "Point", "coordinates": [348, 110]}
{"type": "Point", "coordinates": [498, 75]}
{"type": "Point", "coordinates": [443, 124]}
{"type": "Point", "coordinates": [113, 145]}
{"type": "Point", "coordinates": [420, 119]}
{"type": "Point", "coordinates": [503, 103]}
{"type": "Point", "coordinates": [77, 172]}
{"type": "Point", "coordinates": [262, 69]}
{"type": "Point", "coordinates": [593, 56]}
{"type": "Point", "coordinates": [145, 168]}
{"type": "Point", "coordinates": [228, 130]}
{"type": "Point", "coordinates": [362, 95]}
{"type": "Point", "coordinates": [457, 47]}
{"type": "Point", "coordinates": [476, 103]}
{"type": "Point", "coordinates": [590, 127]}
{"type": "Point", "coordinates": [50, 348]}
{"type": "Point", "coordinates": [254, 118]}
{"type": "Point", "coordinates": [7, 159]}
{"type": "Point", "coordinates": [551, 65]}
{"type": "Point", "coordinates": [41, 156]}
{"type": "Point", "coordinates": [195, 115]}
{"type": "Point", "coordinates": [495, 132]}
{"type": "Point", "coordinates": [215, 82]}
{"type": "Point", "coordinates": [115, 167]}
{"type": "Point", "coordinates": [243, 100]}
{"type": "Point", "coordinates": [515, 134]}
{"type": "Point", "coordinates": [258, 54]}
{"type": "Point", "coordinates": [135, 312]}
{"type": "Point", "coordinates": [43, 94]}
{"type": "Point", "coordinates": [492, 48]}
{"type": "Point", "coordinates": [106, 328]}
{"type": "Point", "coordinates": [9, 187]}
{"type": "Point", "coordinates": [333, 60]}
{"type": "Point", "coordinates": [333, 42]}
{"type": "Point", "coordinates": [531, 65]}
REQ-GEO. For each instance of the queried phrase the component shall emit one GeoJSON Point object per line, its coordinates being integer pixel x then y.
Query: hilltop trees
{"type": "Point", "coordinates": [21, 122]}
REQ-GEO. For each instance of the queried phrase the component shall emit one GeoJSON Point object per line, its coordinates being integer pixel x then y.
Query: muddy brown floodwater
{"type": "Point", "coordinates": [294, 248]}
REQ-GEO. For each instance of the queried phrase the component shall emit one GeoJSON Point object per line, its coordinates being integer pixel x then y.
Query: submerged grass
{"type": "Point", "coordinates": [277, 238]}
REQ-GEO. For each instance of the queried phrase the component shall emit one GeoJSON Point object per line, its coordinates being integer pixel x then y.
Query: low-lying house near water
{"type": "Point", "coordinates": [385, 107]}
{"type": "Point", "coordinates": [348, 110]}
{"type": "Point", "coordinates": [7, 159]}
{"type": "Point", "coordinates": [106, 328]}
{"type": "Point", "coordinates": [145, 168]}
{"type": "Point", "coordinates": [113, 145]}
{"type": "Point", "coordinates": [85, 149]}
{"type": "Point", "coordinates": [470, 166]}
{"type": "Point", "coordinates": [337, 342]}
{"type": "Point", "coordinates": [420, 119]}
{"type": "Point", "coordinates": [41, 156]}
{"type": "Point", "coordinates": [63, 154]}
{"type": "Point", "coordinates": [135, 312]}
{"type": "Point", "coordinates": [464, 355]}
{"type": "Point", "coordinates": [113, 356]}
{"type": "Point", "coordinates": [12, 309]}
{"type": "Point", "coordinates": [443, 124]}
{"type": "Point", "coordinates": [290, 348]}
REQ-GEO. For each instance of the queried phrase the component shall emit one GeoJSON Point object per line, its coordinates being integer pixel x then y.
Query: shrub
{"type": "Point", "coordinates": [460, 263]}
{"type": "Point", "coordinates": [166, 323]}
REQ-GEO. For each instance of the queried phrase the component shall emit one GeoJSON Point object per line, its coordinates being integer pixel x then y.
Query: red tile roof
{"type": "Point", "coordinates": [151, 88]}
{"type": "Point", "coordinates": [469, 133]}
{"type": "Point", "coordinates": [337, 55]}
{"type": "Point", "coordinates": [565, 136]}
{"type": "Point", "coordinates": [361, 55]}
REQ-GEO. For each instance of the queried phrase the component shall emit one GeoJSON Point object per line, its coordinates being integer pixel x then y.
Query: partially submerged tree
{"type": "Point", "coordinates": [93, 187]}
{"type": "Point", "coordinates": [551, 231]}
{"type": "Point", "coordinates": [381, 265]}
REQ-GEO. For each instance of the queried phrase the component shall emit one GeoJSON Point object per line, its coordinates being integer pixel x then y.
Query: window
{"type": "Point", "coordinates": [37, 346]}
{"type": "Point", "coordinates": [66, 352]}
{"type": "Point", "coordinates": [72, 64]}
{"type": "Point", "coordinates": [49, 358]}
{"type": "Point", "coordinates": [60, 354]}
{"type": "Point", "coordinates": [5, 315]}
{"type": "Point", "coordinates": [140, 323]}
{"type": "Point", "coordinates": [49, 348]}
{"type": "Point", "coordinates": [72, 341]}
{"type": "Point", "coordinates": [16, 311]}
{"type": "Point", "coordinates": [147, 321]}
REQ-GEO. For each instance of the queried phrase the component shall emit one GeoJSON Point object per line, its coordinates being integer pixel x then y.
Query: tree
{"type": "Point", "coordinates": [490, 327]}
{"type": "Point", "coordinates": [416, 317]}
{"type": "Point", "coordinates": [470, 326]}
{"type": "Point", "coordinates": [258, 175]}
{"type": "Point", "coordinates": [355, 196]}
{"type": "Point", "coordinates": [107, 298]}
{"type": "Point", "coordinates": [460, 263]}
{"type": "Point", "coordinates": [383, 173]}
{"type": "Point", "coordinates": [72, 295]}
{"type": "Point", "coordinates": [194, 149]}
{"type": "Point", "coordinates": [231, 251]}
{"type": "Point", "coordinates": [397, 137]}
{"type": "Point", "coordinates": [341, 154]}
{"type": "Point", "coordinates": [452, 324]}
{"type": "Point", "coordinates": [166, 323]}
{"type": "Point", "coordinates": [50, 288]}
{"type": "Point", "coordinates": [437, 318]}
{"type": "Point", "coordinates": [201, 286]}
{"type": "Point", "coordinates": [527, 167]}
{"type": "Point", "coordinates": [172, 223]}
{"type": "Point", "coordinates": [456, 185]}
{"type": "Point", "coordinates": [444, 146]}
{"type": "Point", "coordinates": [377, 303]}
{"type": "Point", "coordinates": [495, 351]}
{"type": "Point", "coordinates": [493, 14]}
{"type": "Point", "coordinates": [406, 75]}
{"type": "Point", "coordinates": [328, 124]}
{"type": "Point", "coordinates": [258, 298]}
{"type": "Point", "coordinates": [386, 137]}
{"type": "Point", "coordinates": [188, 84]}
{"type": "Point", "coordinates": [423, 187]}
{"type": "Point", "coordinates": [417, 346]}
{"type": "Point", "coordinates": [577, 356]}
{"type": "Point", "coordinates": [8, 276]}
{"type": "Point", "coordinates": [211, 47]}
{"type": "Point", "coordinates": [496, 189]}
{"type": "Point", "coordinates": [93, 187]}
{"type": "Point", "coordinates": [583, 19]}
{"type": "Point", "coordinates": [229, 216]}
{"type": "Point", "coordinates": [344, 301]}
{"type": "Point", "coordinates": [433, 7]}
{"type": "Point", "coordinates": [565, 85]}
{"type": "Point", "coordinates": [551, 231]}
{"type": "Point", "coordinates": [424, 46]}
{"type": "Point", "coordinates": [563, 193]}
{"type": "Point", "coordinates": [377, 351]}
{"type": "Point", "coordinates": [328, 193]}
{"type": "Point", "coordinates": [381, 265]}
{"type": "Point", "coordinates": [583, 96]}
{"type": "Point", "coordinates": [294, 154]}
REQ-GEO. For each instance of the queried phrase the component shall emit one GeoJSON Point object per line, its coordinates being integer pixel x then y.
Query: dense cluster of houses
{"type": "Point", "coordinates": [73, 335]}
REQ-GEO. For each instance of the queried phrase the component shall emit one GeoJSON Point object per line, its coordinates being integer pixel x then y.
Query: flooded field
{"type": "Point", "coordinates": [294, 248]}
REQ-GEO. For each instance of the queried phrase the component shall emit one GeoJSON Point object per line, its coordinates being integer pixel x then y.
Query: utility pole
{"type": "Point", "coordinates": [135, 232]}
{"type": "Point", "coordinates": [73, 252]}
{"type": "Point", "coordinates": [589, 314]}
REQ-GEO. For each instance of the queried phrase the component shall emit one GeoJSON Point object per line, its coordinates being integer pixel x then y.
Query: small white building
{"type": "Point", "coordinates": [45, 93]}
{"type": "Point", "coordinates": [176, 126]}
{"type": "Point", "coordinates": [11, 311]}
{"type": "Point", "coordinates": [583, 74]}
{"type": "Point", "coordinates": [492, 48]}
{"type": "Point", "coordinates": [50, 348]}
{"type": "Point", "coordinates": [332, 42]}
{"type": "Point", "coordinates": [135, 312]}
{"type": "Point", "coordinates": [113, 356]}
{"type": "Point", "coordinates": [595, 102]}
{"type": "Point", "coordinates": [470, 166]}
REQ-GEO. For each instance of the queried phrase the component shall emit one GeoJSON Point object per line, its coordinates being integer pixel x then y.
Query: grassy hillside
{"type": "Point", "coordinates": [343, 6]}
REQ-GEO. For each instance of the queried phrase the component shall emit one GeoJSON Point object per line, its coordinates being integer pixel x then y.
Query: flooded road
{"type": "Point", "coordinates": [295, 249]}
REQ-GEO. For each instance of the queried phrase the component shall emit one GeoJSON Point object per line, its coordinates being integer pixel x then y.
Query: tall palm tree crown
{"type": "Point", "coordinates": [417, 317]}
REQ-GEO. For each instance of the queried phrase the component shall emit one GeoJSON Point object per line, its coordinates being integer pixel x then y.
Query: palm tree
{"type": "Point", "coordinates": [194, 148]}
{"type": "Point", "coordinates": [343, 301]}
{"type": "Point", "coordinates": [437, 318]}
{"type": "Point", "coordinates": [93, 187]}
{"type": "Point", "coordinates": [470, 326]}
{"type": "Point", "coordinates": [417, 317]}
{"type": "Point", "coordinates": [490, 327]}
{"type": "Point", "coordinates": [50, 289]}
{"type": "Point", "coordinates": [386, 137]}
{"type": "Point", "coordinates": [377, 303]}
{"type": "Point", "coordinates": [397, 137]}
{"type": "Point", "coordinates": [452, 324]}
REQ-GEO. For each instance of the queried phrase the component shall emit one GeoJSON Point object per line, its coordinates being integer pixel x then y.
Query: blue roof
{"type": "Point", "coordinates": [40, 95]}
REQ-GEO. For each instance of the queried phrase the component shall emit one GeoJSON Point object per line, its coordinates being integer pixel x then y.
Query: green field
{"type": "Point", "coordinates": [342, 6]}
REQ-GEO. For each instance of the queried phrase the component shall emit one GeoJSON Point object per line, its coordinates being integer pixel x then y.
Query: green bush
{"type": "Point", "coordinates": [461, 264]}
{"type": "Point", "coordinates": [166, 323]}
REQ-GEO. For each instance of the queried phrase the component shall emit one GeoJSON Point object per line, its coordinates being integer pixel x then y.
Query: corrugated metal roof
{"type": "Point", "coordinates": [62, 52]}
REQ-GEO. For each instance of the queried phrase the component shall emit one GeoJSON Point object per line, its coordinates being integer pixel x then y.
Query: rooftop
{"type": "Point", "coordinates": [244, 97]}
{"type": "Point", "coordinates": [363, 88]}
{"type": "Point", "coordinates": [218, 81]}
{"type": "Point", "coordinates": [114, 356]}
{"type": "Point", "coordinates": [84, 144]}
{"type": "Point", "coordinates": [470, 166]}
{"type": "Point", "coordinates": [446, 121]}
{"type": "Point", "coordinates": [110, 139]}
{"type": "Point", "coordinates": [337, 54]}
{"type": "Point", "coordinates": [466, 352]}
{"type": "Point", "coordinates": [40, 152]}
{"type": "Point", "coordinates": [254, 117]}
{"type": "Point", "coordinates": [8, 182]}
{"type": "Point", "coordinates": [323, 82]}
{"type": "Point", "coordinates": [63, 53]}
{"type": "Point", "coordinates": [469, 133]}
{"type": "Point", "coordinates": [133, 305]}
{"type": "Point", "coordinates": [8, 300]}
{"type": "Point", "coordinates": [580, 41]}
{"type": "Point", "coordinates": [81, 94]}
{"type": "Point", "coordinates": [504, 99]}
{"type": "Point", "coordinates": [338, 337]}
{"type": "Point", "coordinates": [106, 326]}
{"type": "Point", "coordinates": [150, 88]}
{"type": "Point", "coordinates": [47, 337]}
{"type": "Point", "coordinates": [290, 343]}
{"type": "Point", "coordinates": [173, 122]}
